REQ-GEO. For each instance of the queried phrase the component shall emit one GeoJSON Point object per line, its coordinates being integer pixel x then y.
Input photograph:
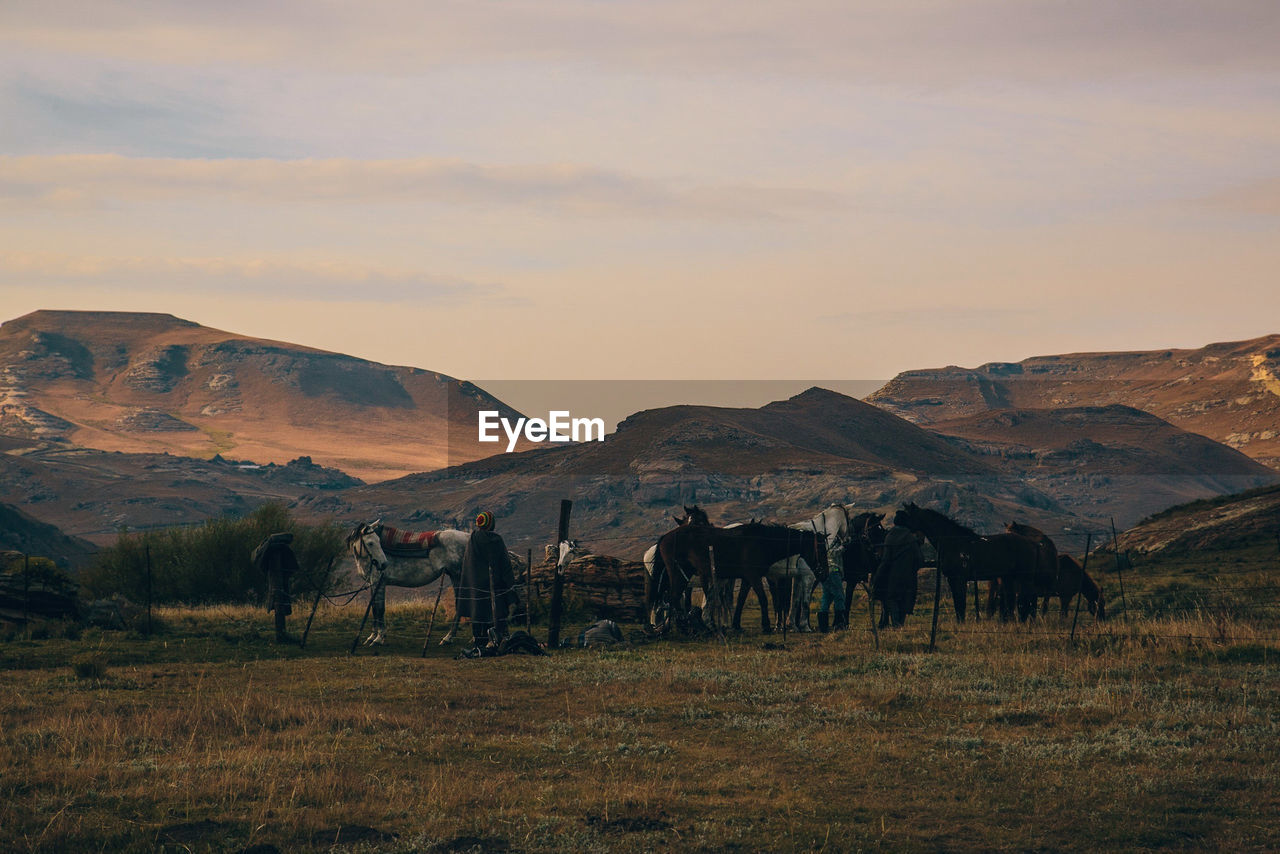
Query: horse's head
{"type": "Point", "coordinates": [365, 543]}
{"type": "Point", "coordinates": [694, 515]}
{"type": "Point", "coordinates": [569, 549]}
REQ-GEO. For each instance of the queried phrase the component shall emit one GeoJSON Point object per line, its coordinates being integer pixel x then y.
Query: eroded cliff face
{"type": "Point", "coordinates": [1229, 392]}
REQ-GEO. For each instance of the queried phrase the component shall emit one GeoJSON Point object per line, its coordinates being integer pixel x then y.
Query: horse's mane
{"type": "Point", "coordinates": [957, 530]}
{"type": "Point", "coordinates": [1024, 530]}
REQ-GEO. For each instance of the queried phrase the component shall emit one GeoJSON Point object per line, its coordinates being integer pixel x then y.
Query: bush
{"type": "Point", "coordinates": [89, 667]}
{"type": "Point", "coordinates": [210, 562]}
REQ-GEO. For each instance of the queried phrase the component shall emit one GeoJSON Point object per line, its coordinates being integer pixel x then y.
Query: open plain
{"type": "Point", "coordinates": [1157, 729]}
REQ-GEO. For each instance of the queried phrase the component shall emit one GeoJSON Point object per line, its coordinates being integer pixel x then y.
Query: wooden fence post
{"type": "Point", "coordinates": [557, 585]}
{"type": "Point", "coordinates": [26, 595]}
{"type": "Point", "coordinates": [1115, 547]}
{"type": "Point", "coordinates": [148, 547]}
{"type": "Point", "coordinates": [937, 595]}
{"type": "Point", "coordinates": [1088, 543]}
{"type": "Point", "coordinates": [316, 604]}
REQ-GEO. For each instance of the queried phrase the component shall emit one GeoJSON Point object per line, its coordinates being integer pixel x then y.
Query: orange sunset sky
{"type": "Point", "coordinates": [661, 190]}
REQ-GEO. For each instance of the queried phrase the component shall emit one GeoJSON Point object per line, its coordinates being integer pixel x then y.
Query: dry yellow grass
{"type": "Point", "coordinates": [1147, 735]}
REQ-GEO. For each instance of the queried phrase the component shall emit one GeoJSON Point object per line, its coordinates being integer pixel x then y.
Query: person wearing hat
{"type": "Point", "coordinates": [488, 583]}
{"type": "Point", "coordinates": [895, 581]}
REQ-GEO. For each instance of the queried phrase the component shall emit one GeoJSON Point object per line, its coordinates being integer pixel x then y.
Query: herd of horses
{"type": "Point", "coordinates": [1022, 566]}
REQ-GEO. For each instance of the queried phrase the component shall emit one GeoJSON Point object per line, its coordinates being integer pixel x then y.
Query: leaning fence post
{"type": "Point", "coordinates": [148, 547]}
{"type": "Point", "coordinates": [557, 585]}
{"type": "Point", "coordinates": [315, 605]}
{"type": "Point", "coordinates": [937, 596]}
{"type": "Point", "coordinates": [1088, 543]}
{"type": "Point", "coordinates": [871, 611]}
{"type": "Point", "coordinates": [528, 593]}
{"type": "Point", "coordinates": [26, 595]}
{"type": "Point", "coordinates": [1115, 547]}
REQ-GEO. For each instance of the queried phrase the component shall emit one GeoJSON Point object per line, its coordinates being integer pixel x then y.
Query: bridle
{"type": "Point", "coordinates": [358, 546]}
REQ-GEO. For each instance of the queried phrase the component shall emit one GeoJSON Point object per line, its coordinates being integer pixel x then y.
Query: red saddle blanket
{"type": "Point", "coordinates": [412, 543]}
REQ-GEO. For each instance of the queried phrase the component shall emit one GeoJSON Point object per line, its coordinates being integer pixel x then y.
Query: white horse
{"type": "Point", "coordinates": [381, 570]}
{"type": "Point", "coordinates": [832, 523]}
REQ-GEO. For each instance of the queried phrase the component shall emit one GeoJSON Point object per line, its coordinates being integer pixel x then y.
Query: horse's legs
{"type": "Point", "coordinates": [378, 634]}
{"type": "Point", "coordinates": [737, 610]}
{"type": "Point", "coordinates": [957, 584]}
{"type": "Point", "coordinates": [780, 592]}
{"type": "Point", "coordinates": [757, 584]}
{"type": "Point", "coordinates": [800, 607]}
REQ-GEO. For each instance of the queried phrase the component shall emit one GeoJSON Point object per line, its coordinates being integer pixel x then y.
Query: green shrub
{"type": "Point", "coordinates": [89, 667]}
{"type": "Point", "coordinates": [210, 562]}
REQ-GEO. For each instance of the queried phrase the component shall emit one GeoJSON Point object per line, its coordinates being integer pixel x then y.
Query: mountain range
{"type": "Point", "coordinates": [1229, 392]}
{"type": "Point", "coordinates": [141, 420]}
{"type": "Point", "coordinates": [149, 383]}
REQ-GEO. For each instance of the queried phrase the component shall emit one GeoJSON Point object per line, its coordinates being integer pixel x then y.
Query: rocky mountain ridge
{"type": "Point", "coordinates": [1229, 391]}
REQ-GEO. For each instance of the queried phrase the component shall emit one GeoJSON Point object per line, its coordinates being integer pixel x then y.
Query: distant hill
{"type": "Point", "coordinates": [22, 532]}
{"type": "Point", "coordinates": [786, 460]}
{"type": "Point", "coordinates": [1226, 522]}
{"type": "Point", "coordinates": [1229, 392]}
{"type": "Point", "coordinates": [148, 383]}
{"type": "Point", "coordinates": [93, 494]}
{"type": "Point", "coordinates": [1107, 461]}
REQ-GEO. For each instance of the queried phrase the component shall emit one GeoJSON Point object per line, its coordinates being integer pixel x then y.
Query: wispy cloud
{"type": "Point", "coordinates": [310, 280]}
{"type": "Point", "coordinates": [1259, 198]}
{"type": "Point", "coordinates": [93, 179]}
{"type": "Point", "coordinates": [912, 41]}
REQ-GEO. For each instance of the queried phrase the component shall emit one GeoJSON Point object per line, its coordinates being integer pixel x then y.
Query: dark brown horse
{"type": "Point", "coordinates": [965, 556]}
{"type": "Point", "coordinates": [862, 552]}
{"type": "Point", "coordinates": [1046, 577]}
{"type": "Point", "coordinates": [745, 552]}
{"type": "Point", "coordinates": [656, 583]}
{"type": "Point", "coordinates": [1073, 579]}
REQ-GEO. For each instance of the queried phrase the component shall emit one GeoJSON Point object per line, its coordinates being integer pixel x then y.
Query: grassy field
{"type": "Point", "coordinates": [1145, 733]}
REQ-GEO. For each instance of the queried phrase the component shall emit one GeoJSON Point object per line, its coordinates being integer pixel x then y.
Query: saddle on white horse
{"type": "Point", "coordinates": [400, 543]}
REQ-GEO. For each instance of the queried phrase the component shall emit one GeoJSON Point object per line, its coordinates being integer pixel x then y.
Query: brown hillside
{"type": "Point", "coordinates": [93, 494]}
{"type": "Point", "coordinates": [1107, 461]}
{"type": "Point", "coordinates": [1232, 521]}
{"type": "Point", "coordinates": [147, 383]}
{"type": "Point", "coordinates": [24, 533]}
{"type": "Point", "coordinates": [784, 461]}
{"type": "Point", "coordinates": [1229, 392]}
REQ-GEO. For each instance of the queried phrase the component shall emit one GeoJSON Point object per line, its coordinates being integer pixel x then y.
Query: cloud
{"type": "Point", "coordinates": [317, 281]}
{"type": "Point", "coordinates": [63, 180]}
{"type": "Point", "coordinates": [1257, 198]}
{"type": "Point", "coordinates": [909, 41]}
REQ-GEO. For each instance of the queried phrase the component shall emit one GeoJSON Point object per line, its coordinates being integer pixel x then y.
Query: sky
{"type": "Point", "coordinates": [666, 190]}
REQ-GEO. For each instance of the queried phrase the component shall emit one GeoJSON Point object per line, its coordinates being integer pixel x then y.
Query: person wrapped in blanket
{"type": "Point", "coordinates": [488, 586]}
{"type": "Point", "coordinates": [895, 581]}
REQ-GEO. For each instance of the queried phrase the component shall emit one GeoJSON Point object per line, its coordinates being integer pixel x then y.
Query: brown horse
{"type": "Point", "coordinates": [965, 556]}
{"type": "Point", "coordinates": [656, 584]}
{"type": "Point", "coordinates": [862, 552]}
{"type": "Point", "coordinates": [1047, 574]}
{"type": "Point", "coordinates": [1073, 579]}
{"type": "Point", "coordinates": [745, 552]}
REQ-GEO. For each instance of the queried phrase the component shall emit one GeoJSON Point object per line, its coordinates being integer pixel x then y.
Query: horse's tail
{"type": "Point", "coordinates": [655, 574]}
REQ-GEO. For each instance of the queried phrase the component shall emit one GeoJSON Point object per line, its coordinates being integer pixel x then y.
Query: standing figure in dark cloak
{"type": "Point", "coordinates": [895, 581]}
{"type": "Point", "coordinates": [274, 557]}
{"type": "Point", "coordinates": [488, 591]}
